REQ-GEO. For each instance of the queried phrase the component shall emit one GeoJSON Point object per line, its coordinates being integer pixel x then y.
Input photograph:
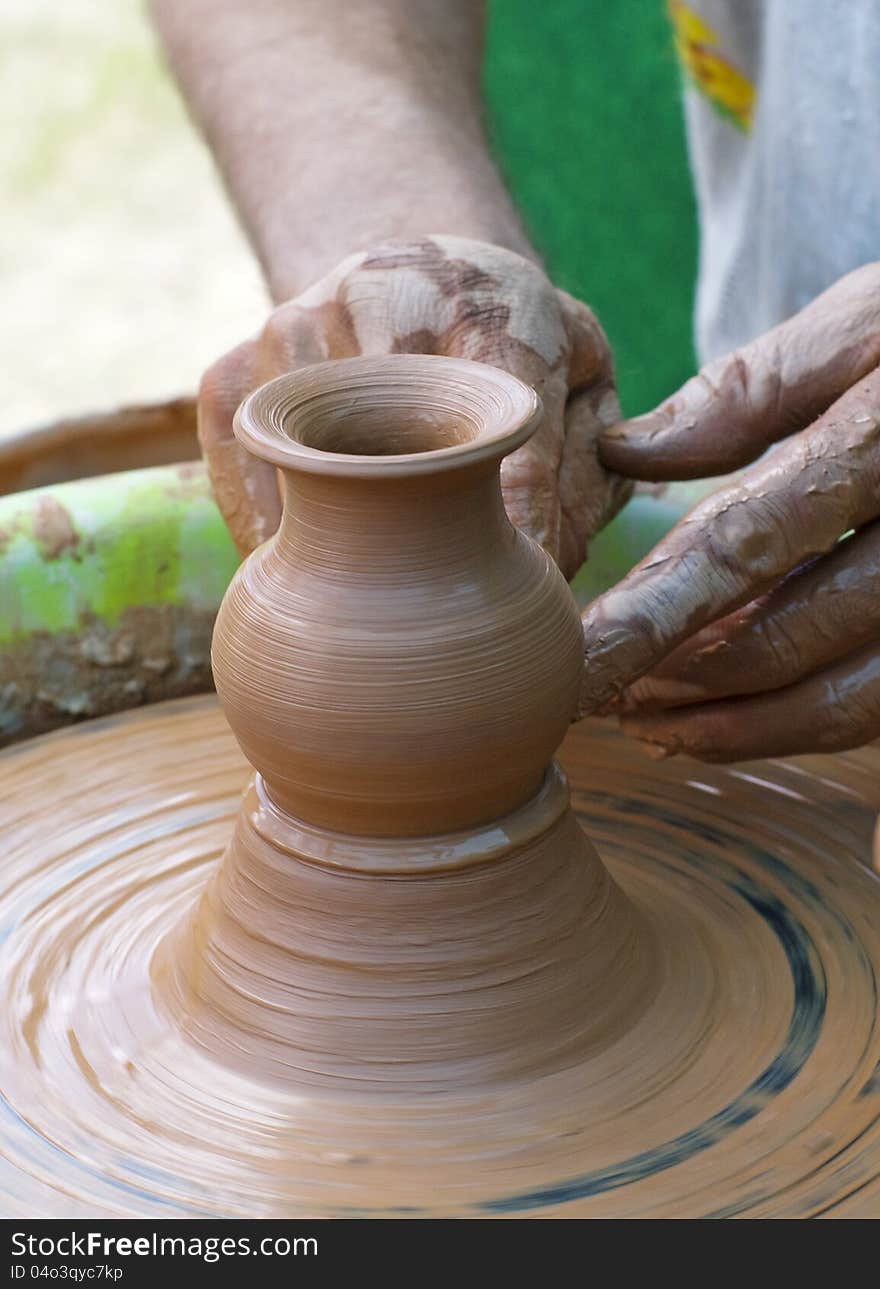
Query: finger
{"type": "Point", "coordinates": [530, 476]}
{"type": "Point", "coordinates": [589, 495]}
{"type": "Point", "coordinates": [830, 711]}
{"type": "Point", "coordinates": [590, 358]}
{"type": "Point", "coordinates": [738, 405]}
{"type": "Point", "coordinates": [794, 504]}
{"type": "Point", "coordinates": [245, 488]}
{"type": "Point", "coordinates": [297, 335]}
{"type": "Point", "coordinates": [817, 615]}
{"type": "Point", "coordinates": [520, 330]}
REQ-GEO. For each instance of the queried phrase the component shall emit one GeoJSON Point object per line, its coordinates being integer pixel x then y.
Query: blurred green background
{"type": "Point", "coordinates": [124, 272]}
{"type": "Point", "coordinates": [585, 102]}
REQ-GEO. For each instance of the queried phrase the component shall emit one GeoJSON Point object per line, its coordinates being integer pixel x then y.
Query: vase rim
{"type": "Point", "coordinates": [472, 411]}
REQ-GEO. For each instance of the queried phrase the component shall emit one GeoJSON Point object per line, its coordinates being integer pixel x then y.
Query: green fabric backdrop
{"type": "Point", "coordinates": [585, 109]}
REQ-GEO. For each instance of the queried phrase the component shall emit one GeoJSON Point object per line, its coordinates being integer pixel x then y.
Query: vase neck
{"type": "Point", "coordinates": [453, 520]}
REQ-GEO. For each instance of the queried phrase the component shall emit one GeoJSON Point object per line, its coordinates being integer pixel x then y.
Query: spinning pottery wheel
{"type": "Point", "coordinates": [410, 985]}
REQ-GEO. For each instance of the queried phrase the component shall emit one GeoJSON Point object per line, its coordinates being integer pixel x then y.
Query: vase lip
{"type": "Point", "coordinates": [490, 411]}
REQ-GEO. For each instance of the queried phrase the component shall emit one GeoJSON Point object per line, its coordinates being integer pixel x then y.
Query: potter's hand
{"type": "Point", "coordinates": [754, 627]}
{"type": "Point", "coordinates": [451, 296]}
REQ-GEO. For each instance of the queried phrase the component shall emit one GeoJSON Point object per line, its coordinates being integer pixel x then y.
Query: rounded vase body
{"type": "Point", "coordinates": [398, 660]}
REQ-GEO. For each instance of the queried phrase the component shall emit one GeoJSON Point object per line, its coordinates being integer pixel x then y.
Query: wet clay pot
{"type": "Point", "coordinates": [407, 899]}
{"type": "Point", "coordinates": [408, 985]}
{"type": "Point", "coordinates": [398, 660]}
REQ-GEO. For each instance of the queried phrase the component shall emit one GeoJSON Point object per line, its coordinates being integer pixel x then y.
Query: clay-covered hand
{"type": "Point", "coordinates": [461, 298]}
{"type": "Point", "coordinates": [755, 624]}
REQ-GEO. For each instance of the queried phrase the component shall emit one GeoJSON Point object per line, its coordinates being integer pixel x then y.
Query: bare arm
{"type": "Point", "coordinates": [338, 125]}
{"type": "Point", "coordinates": [351, 139]}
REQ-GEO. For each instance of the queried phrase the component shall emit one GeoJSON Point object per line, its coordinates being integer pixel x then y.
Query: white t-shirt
{"type": "Point", "coordinates": [783, 116]}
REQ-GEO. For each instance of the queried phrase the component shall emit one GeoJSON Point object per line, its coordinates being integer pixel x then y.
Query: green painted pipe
{"type": "Point", "coordinates": [108, 591]}
{"type": "Point", "coordinates": [95, 548]}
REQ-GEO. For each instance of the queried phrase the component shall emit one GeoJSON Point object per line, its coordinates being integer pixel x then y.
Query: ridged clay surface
{"type": "Point", "coordinates": [398, 659]}
{"type": "Point", "coordinates": [740, 1078]}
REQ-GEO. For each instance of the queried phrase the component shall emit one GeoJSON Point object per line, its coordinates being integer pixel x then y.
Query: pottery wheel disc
{"type": "Point", "coordinates": [748, 1084]}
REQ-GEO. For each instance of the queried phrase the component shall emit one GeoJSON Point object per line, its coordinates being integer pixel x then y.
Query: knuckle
{"type": "Point", "coordinates": [229, 373]}
{"type": "Point", "coordinates": [576, 309]}
{"type": "Point", "coordinates": [274, 338]}
{"type": "Point", "coordinates": [222, 387]}
{"type": "Point", "coordinates": [211, 384]}
{"type": "Point", "coordinates": [273, 327]}
{"type": "Point", "coordinates": [399, 252]}
{"type": "Point", "coordinates": [591, 358]}
{"type": "Point", "coordinates": [853, 715]}
{"type": "Point", "coordinates": [218, 388]}
{"type": "Point", "coordinates": [863, 708]}
{"type": "Point", "coordinates": [782, 647]}
{"type": "Point", "coordinates": [730, 376]}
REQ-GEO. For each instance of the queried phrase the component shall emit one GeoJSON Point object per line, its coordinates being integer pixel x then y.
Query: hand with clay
{"type": "Point", "coordinates": [464, 299]}
{"type": "Point", "coordinates": [753, 628]}
{"type": "Point", "coordinates": [346, 134]}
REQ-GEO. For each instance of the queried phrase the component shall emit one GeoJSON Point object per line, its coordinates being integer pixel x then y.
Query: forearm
{"type": "Point", "coordinates": [337, 125]}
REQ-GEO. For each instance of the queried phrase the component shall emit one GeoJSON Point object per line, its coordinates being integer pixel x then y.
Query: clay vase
{"type": "Point", "coordinates": [399, 660]}
{"type": "Point", "coordinates": [407, 888]}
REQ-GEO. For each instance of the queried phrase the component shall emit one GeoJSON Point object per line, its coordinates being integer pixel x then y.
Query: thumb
{"type": "Point", "coordinates": [245, 488]}
{"type": "Point", "coordinates": [530, 476]}
{"type": "Point", "coordinates": [539, 358]}
{"type": "Point", "coordinates": [729, 413]}
{"type": "Point", "coordinates": [589, 495]}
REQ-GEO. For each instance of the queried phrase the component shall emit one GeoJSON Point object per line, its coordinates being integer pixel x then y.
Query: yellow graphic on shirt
{"type": "Point", "coordinates": [713, 75]}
